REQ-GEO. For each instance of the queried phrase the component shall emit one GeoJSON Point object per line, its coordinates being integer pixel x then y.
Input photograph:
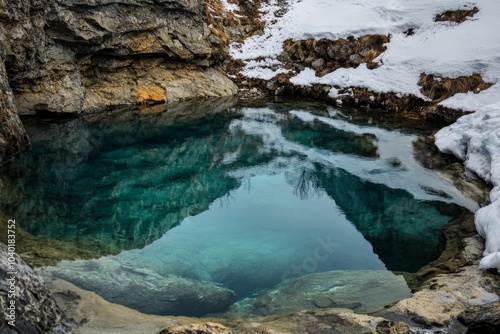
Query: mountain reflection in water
{"type": "Point", "coordinates": [239, 196]}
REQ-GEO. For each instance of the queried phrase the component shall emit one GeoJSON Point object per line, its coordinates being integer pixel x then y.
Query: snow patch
{"type": "Point", "coordinates": [230, 7]}
{"type": "Point", "coordinates": [475, 138]}
{"type": "Point", "coordinates": [442, 48]}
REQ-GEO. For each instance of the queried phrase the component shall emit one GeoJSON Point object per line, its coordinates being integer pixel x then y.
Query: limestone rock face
{"type": "Point", "coordinates": [171, 28]}
{"type": "Point", "coordinates": [35, 308]}
{"type": "Point", "coordinates": [150, 81]}
{"type": "Point", "coordinates": [13, 138]}
{"type": "Point", "coordinates": [83, 55]}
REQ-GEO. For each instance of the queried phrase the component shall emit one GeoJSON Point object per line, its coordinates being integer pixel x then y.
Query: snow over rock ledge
{"type": "Point", "coordinates": [475, 138]}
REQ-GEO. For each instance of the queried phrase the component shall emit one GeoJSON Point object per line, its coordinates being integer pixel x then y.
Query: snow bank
{"type": "Point", "coordinates": [475, 138]}
{"type": "Point", "coordinates": [443, 48]}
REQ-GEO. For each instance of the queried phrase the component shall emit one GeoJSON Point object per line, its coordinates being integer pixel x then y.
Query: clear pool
{"type": "Point", "coordinates": [234, 210]}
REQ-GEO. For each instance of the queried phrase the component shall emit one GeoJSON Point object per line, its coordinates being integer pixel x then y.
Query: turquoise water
{"type": "Point", "coordinates": [232, 201]}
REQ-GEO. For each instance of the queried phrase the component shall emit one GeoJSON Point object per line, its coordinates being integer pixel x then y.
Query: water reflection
{"type": "Point", "coordinates": [125, 179]}
{"type": "Point", "coordinates": [236, 196]}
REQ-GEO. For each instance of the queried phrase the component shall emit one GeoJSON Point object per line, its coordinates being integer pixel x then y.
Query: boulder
{"type": "Point", "coordinates": [34, 307]}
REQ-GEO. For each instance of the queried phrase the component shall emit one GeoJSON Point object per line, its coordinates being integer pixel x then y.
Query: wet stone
{"type": "Point", "coordinates": [323, 301]}
{"type": "Point", "coordinates": [318, 63]}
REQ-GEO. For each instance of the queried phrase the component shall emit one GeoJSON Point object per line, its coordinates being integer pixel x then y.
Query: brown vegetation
{"type": "Point", "coordinates": [217, 17]}
{"type": "Point", "coordinates": [251, 16]}
{"type": "Point", "coordinates": [458, 16]}
{"type": "Point", "coordinates": [439, 88]}
{"type": "Point", "coordinates": [326, 55]}
{"type": "Point", "coordinates": [228, 26]}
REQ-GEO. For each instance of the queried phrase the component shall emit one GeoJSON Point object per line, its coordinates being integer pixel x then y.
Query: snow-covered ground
{"type": "Point", "coordinates": [443, 48]}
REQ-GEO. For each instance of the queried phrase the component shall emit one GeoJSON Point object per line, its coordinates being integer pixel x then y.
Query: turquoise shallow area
{"type": "Point", "coordinates": [242, 199]}
{"type": "Point", "coordinates": [257, 237]}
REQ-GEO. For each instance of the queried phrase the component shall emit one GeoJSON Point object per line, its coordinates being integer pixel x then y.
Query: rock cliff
{"type": "Point", "coordinates": [85, 55]}
{"type": "Point", "coordinates": [13, 138]}
{"type": "Point", "coordinates": [78, 56]}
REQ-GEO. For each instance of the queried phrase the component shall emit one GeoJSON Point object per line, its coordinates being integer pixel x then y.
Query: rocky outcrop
{"type": "Point", "coordinates": [34, 309]}
{"type": "Point", "coordinates": [325, 55]}
{"type": "Point", "coordinates": [80, 56]}
{"type": "Point", "coordinates": [13, 138]}
{"type": "Point", "coordinates": [74, 56]}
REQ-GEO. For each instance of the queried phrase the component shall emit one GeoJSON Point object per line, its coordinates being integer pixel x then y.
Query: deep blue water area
{"type": "Point", "coordinates": [213, 204]}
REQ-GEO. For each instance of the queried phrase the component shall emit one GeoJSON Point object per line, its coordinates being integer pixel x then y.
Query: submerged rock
{"type": "Point", "coordinates": [208, 328]}
{"type": "Point", "coordinates": [360, 290]}
{"type": "Point", "coordinates": [463, 301]}
{"type": "Point", "coordinates": [145, 290]}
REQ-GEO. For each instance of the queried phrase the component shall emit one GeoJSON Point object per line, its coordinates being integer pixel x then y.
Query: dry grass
{"type": "Point", "coordinates": [458, 16]}
{"type": "Point", "coordinates": [216, 17]}
{"type": "Point", "coordinates": [251, 16]}
{"type": "Point", "coordinates": [439, 88]}
{"type": "Point", "coordinates": [339, 53]}
{"type": "Point", "coordinates": [219, 19]}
